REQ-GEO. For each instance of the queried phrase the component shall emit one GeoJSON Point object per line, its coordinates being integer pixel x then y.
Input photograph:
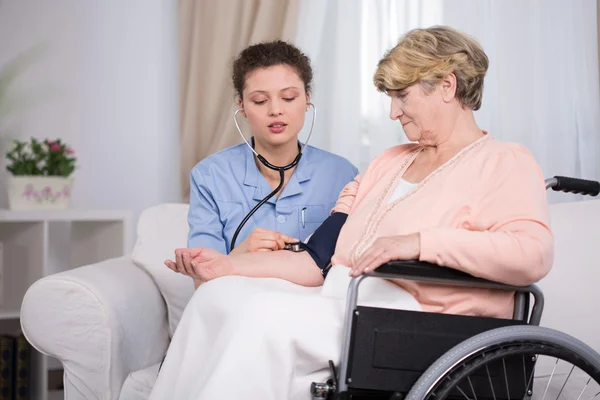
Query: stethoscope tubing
{"type": "Point", "coordinates": [267, 164]}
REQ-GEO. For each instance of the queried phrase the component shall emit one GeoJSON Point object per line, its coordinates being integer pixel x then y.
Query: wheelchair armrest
{"type": "Point", "coordinates": [432, 273]}
{"type": "Point", "coordinates": [427, 272]}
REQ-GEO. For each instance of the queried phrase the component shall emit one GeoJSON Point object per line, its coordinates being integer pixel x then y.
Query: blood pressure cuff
{"type": "Point", "coordinates": [321, 244]}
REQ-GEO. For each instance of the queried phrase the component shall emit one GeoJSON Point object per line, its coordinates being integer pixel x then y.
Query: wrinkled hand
{"type": "Point", "coordinates": [206, 264]}
{"type": "Point", "coordinates": [384, 249]}
{"type": "Point", "coordinates": [263, 240]}
{"type": "Point", "coordinates": [183, 258]}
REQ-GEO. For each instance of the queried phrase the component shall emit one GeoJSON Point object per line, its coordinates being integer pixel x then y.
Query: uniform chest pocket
{"type": "Point", "coordinates": [230, 213]}
{"type": "Point", "coordinates": [311, 217]}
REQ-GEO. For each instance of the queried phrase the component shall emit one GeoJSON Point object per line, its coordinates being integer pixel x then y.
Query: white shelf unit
{"type": "Point", "coordinates": [39, 243]}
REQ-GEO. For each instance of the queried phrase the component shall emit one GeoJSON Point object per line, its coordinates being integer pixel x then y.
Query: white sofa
{"type": "Point", "coordinates": [110, 323]}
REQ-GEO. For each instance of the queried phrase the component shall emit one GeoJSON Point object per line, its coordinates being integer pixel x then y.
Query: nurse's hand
{"type": "Point", "coordinates": [206, 265]}
{"type": "Point", "coordinates": [389, 248]}
{"type": "Point", "coordinates": [263, 240]}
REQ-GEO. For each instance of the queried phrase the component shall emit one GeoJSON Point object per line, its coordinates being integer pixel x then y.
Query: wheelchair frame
{"type": "Point", "coordinates": [424, 272]}
{"type": "Point", "coordinates": [341, 383]}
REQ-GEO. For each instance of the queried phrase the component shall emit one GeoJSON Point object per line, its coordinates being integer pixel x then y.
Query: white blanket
{"type": "Point", "coordinates": [263, 338]}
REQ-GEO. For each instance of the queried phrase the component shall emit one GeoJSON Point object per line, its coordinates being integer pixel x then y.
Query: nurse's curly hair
{"type": "Point", "coordinates": [427, 55]}
{"type": "Point", "coordinates": [269, 54]}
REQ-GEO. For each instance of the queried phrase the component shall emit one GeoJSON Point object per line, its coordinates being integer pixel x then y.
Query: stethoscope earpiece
{"type": "Point", "coordinates": [268, 164]}
{"type": "Point", "coordinates": [237, 126]}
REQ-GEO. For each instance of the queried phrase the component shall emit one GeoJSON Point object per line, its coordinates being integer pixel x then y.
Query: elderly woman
{"type": "Point", "coordinates": [456, 197]}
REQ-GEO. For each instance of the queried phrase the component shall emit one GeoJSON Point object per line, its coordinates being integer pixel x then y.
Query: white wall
{"type": "Point", "coordinates": [106, 83]}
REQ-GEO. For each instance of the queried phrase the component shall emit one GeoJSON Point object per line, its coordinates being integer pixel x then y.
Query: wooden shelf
{"type": "Point", "coordinates": [10, 314]}
{"type": "Point", "coordinates": [66, 215]}
{"type": "Point", "coordinates": [39, 243]}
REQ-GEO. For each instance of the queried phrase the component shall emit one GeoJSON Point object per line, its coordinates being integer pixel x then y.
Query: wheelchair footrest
{"type": "Point", "coordinates": [390, 349]}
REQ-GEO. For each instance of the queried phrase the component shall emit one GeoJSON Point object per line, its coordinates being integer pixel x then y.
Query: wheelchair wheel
{"type": "Point", "coordinates": [524, 362]}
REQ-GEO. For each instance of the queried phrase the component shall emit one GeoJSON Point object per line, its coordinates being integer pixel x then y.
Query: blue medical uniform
{"type": "Point", "coordinates": [227, 185]}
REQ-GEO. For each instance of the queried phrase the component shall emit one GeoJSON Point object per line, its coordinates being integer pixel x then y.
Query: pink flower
{"type": "Point", "coordinates": [28, 190]}
{"type": "Point", "coordinates": [47, 192]}
{"type": "Point", "coordinates": [70, 151]}
{"type": "Point", "coordinates": [49, 142]}
{"type": "Point", "coordinates": [54, 147]}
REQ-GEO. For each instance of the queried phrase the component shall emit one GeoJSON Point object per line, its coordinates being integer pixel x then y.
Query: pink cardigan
{"type": "Point", "coordinates": [484, 212]}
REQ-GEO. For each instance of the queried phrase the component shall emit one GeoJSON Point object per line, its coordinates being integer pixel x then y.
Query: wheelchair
{"type": "Point", "coordinates": [396, 354]}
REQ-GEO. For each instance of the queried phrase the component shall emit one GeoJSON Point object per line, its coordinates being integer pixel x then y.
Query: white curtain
{"type": "Point", "coordinates": [542, 88]}
{"type": "Point", "coordinates": [329, 32]}
{"type": "Point", "coordinates": [345, 39]}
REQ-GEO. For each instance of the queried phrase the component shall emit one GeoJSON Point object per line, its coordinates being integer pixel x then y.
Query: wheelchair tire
{"type": "Point", "coordinates": [436, 381]}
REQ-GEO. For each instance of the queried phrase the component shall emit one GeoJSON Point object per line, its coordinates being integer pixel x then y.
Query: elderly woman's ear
{"type": "Point", "coordinates": [448, 86]}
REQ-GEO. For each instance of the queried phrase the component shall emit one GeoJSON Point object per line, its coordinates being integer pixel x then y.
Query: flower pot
{"type": "Point", "coordinates": [39, 192]}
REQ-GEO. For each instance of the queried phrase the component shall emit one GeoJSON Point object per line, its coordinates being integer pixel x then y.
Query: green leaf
{"type": "Point", "coordinates": [41, 160]}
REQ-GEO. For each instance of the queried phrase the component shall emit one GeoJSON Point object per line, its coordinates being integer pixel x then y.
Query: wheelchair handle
{"type": "Point", "coordinates": [573, 185]}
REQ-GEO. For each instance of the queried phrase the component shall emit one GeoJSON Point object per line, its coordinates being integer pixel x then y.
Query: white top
{"type": "Point", "coordinates": [402, 189]}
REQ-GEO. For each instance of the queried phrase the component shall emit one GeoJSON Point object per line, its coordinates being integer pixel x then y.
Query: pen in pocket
{"type": "Point", "coordinates": [302, 216]}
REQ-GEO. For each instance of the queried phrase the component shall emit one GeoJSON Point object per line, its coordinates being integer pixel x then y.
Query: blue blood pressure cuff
{"type": "Point", "coordinates": [321, 245]}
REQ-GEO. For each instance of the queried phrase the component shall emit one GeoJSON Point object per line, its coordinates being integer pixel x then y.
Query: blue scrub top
{"type": "Point", "coordinates": [227, 185]}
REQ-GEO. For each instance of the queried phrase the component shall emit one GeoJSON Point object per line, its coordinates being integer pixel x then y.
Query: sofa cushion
{"type": "Point", "coordinates": [160, 230]}
{"type": "Point", "coordinates": [571, 288]}
{"type": "Point", "coordinates": [575, 274]}
{"type": "Point", "coordinates": [138, 384]}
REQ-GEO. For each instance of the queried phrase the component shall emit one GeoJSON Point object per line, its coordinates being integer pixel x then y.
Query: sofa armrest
{"type": "Point", "coordinates": [102, 321]}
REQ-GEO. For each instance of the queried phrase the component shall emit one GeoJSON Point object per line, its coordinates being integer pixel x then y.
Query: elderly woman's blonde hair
{"type": "Point", "coordinates": [428, 55]}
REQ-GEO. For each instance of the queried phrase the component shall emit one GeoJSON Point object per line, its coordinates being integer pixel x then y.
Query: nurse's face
{"type": "Point", "coordinates": [275, 103]}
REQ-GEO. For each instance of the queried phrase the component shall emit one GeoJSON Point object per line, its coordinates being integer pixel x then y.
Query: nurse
{"type": "Point", "coordinates": [272, 82]}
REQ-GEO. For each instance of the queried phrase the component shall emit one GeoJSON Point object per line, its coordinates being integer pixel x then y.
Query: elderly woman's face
{"type": "Point", "coordinates": [417, 111]}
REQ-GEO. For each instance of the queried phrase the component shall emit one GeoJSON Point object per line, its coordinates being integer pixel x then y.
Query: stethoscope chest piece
{"type": "Point", "coordinates": [295, 247]}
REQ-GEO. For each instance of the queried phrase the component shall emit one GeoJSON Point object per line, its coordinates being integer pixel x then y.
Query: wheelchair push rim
{"type": "Point", "coordinates": [450, 375]}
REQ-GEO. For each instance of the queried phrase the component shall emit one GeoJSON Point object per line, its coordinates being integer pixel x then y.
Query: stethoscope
{"type": "Point", "coordinates": [267, 164]}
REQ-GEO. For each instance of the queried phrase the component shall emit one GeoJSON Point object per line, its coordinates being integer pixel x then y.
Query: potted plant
{"type": "Point", "coordinates": [40, 174]}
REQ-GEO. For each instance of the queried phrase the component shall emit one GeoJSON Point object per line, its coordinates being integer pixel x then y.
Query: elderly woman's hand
{"type": "Point", "coordinates": [206, 264]}
{"type": "Point", "coordinates": [183, 257]}
{"type": "Point", "coordinates": [389, 248]}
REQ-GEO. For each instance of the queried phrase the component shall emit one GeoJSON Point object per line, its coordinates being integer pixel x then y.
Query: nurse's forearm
{"type": "Point", "coordinates": [298, 268]}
